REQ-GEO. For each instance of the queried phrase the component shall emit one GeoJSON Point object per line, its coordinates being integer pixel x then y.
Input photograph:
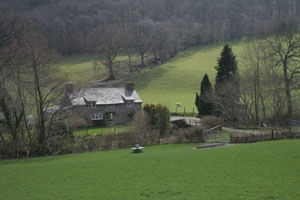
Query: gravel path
{"type": "Point", "coordinates": [244, 131]}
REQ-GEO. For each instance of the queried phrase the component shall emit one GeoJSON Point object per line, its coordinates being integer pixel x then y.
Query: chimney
{"type": "Point", "coordinates": [69, 88]}
{"type": "Point", "coordinates": [130, 86]}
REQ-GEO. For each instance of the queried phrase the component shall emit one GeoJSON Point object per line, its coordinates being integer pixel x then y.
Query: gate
{"type": "Point", "coordinates": [295, 125]}
{"type": "Point", "coordinates": [216, 135]}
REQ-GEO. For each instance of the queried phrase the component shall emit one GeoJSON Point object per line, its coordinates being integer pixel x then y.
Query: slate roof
{"type": "Point", "coordinates": [105, 96]}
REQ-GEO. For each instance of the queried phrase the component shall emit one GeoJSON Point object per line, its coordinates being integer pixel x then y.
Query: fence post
{"type": "Point", "coordinates": [230, 138]}
{"type": "Point", "coordinates": [272, 134]}
{"type": "Point", "coordinates": [290, 132]}
{"type": "Point", "coordinates": [158, 138]}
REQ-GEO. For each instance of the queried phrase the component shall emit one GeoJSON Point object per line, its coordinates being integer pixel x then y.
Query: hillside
{"type": "Point", "coordinates": [169, 83]}
{"type": "Point", "coordinates": [179, 79]}
{"type": "Point", "coordinates": [267, 170]}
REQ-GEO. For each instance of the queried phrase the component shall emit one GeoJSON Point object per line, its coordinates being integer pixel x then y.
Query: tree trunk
{"type": "Point", "coordinates": [129, 62]}
{"type": "Point", "coordinates": [287, 91]}
{"type": "Point", "coordinates": [40, 110]}
{"type": "Point", "coordinates": [111, 71]}
{"type": "Point", "coordinates": [142, 59]}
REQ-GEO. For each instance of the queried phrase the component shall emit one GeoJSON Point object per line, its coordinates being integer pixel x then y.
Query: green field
{"type": "Point", "coordinates": [266, 170]}
{"type": "Point", "coordinates": [80, 69]}
{"type": "Point", "coordinates": [175, 81]}
{"type": "Point", "coordinates": [80, 132]}
{"type": "Point", "coordinates": [179, 79]}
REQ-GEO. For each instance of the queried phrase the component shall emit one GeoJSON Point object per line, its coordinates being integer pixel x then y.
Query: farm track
{"type": "Point", "coordinates": [243, 131]}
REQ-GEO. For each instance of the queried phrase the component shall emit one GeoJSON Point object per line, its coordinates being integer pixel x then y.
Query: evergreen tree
{"type": "Point", "coordinates": [227, 93]}
{"type": "Point", "coordinates": [205, 88]}
{"type": "Point", "coordinates": [202, 102]}
{"type": "Point", "coordinates": [227, 65]}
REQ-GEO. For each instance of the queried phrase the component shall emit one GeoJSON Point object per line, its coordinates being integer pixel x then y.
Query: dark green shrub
{"type": "Point", "coordinates": [159, 117]}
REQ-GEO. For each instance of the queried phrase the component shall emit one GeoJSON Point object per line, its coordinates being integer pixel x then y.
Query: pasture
{"type": "Point", "coordinates": [266, 170]}
{"type": "Point", "coordinates": [178, 80]}
{"type": "Point", "coordinates": [175, 81]}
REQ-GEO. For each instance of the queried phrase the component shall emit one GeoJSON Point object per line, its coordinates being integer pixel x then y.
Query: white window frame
{"type": "Point", "coordinates": [92, 105]}
{"type": "Point", "coordinates": [130, 103]}
{"type": "Point", "coordinates": [97, 116]}
{"type": "Point", "coordinates": [110, 119]}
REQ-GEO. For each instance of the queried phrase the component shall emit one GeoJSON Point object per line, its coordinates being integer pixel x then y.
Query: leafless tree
{"type": "Point", "coordinates": [142, 38]}
{"type": "Point", "coordinates": [252, 80]}
{"type": "Point", "coordinates": [225, 103]}
{"type": "Point", "coordinates": [105, 40]}
{"type": "Point", "coordinates": [284, 46]}
{"type": "Point", "coordinates": [34, 69]}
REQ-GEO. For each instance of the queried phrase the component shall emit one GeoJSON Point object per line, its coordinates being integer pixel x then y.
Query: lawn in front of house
{"type": "Point", "coordinates": [81, 132]}
{"type": "Point", "coordinates": [265, 170]}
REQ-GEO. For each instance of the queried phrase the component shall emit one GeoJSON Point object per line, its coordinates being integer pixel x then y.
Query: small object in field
{"type": "Point", "coordinates": [137, 148]}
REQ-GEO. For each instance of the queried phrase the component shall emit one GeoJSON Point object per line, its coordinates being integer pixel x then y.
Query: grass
{"type": "Point", "coordinates": [80, 69]}
{"type": "Point", "coordinates": [81, 132]}
{"type": "Point", "coordinates": [223, 137]}
{"type": "Point", "coordinates": [175, 81]}
{"type": "Point", "coordinates": [179, 79]}
{"type": "Point", "coordinates": [266, 170]}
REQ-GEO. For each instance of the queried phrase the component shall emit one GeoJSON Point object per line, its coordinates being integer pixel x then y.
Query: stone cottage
{"type": "Point", "coordinates": [104, 106]}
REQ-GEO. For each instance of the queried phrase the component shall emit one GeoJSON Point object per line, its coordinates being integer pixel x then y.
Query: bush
{"type": "Point", "coordinates": [193, 134]}
{"type": "Point", "coordinates": [159, 117]}
{"type": "Point", "coordinates": [277, 135]}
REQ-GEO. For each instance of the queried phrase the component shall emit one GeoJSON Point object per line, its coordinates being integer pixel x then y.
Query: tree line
{"type": "Point", "coordinates": [156, 30]}
{"type": "Point", "coordinates": [158, 27]}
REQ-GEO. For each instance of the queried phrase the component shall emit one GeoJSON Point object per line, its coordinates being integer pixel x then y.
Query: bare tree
{"type": "Point", "coordinates": [142, 38]}
{"type": "Point", "coordinates": [252, 80]}
{"type": "Point", "coordinates": [126, 44]}
{"type": "Point", "coordinates": [106, 41]}
{"type": "Point", "coordinates": [40, 79]}
{"type": "Point", "coordinates": [7, 28]}
{"type": "Point", "coordinates": [284, 48]}
{"type": "Point", "coordinates": [225, 102]}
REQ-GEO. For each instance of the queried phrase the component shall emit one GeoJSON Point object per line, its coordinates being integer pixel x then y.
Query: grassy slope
{"type": "Point", "coordinates": [78, 68]}
{"type": "Point", "coordinates": [172, 82]}
{"type": "Point", "coordinates": [267, 170]}
{"type": "Point", "coordinates": [179, 79]}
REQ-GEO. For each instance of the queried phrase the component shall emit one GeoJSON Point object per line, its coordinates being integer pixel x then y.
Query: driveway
{"type": "Point", "coordinates": [244, 131]}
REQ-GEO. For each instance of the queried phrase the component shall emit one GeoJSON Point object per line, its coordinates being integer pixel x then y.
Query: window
{"type": "Point", "coordinates": [130, 103]}
{"type": "Point", "coordinates": [97, 116]}
{"type": "Point", "coordinates": [92, 105]}
{"type": "Point", "coordinates": [109, 118]}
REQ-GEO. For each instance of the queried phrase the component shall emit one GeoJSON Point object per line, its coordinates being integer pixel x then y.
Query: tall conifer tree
{"type": "Point", "coordinates": [227, 91]}
{"type": "Point", "coordinates": [227, 65]}
{"type": "Point", "coordinates": [203, 104]}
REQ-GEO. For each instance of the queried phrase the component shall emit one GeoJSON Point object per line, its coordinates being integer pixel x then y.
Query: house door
{"type": "Point", "coordinates": [109, 118]}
